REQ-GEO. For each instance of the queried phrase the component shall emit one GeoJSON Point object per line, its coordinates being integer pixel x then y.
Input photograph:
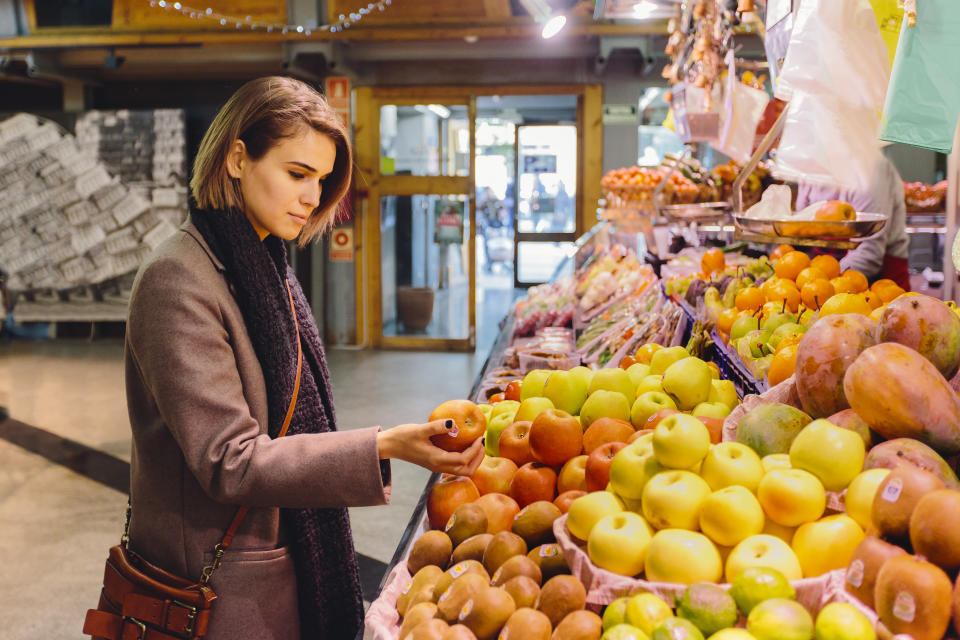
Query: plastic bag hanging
{"type": "Point", "coordinates": [923, 102]}
{"type": "Point", "coordinates": [743, 108]}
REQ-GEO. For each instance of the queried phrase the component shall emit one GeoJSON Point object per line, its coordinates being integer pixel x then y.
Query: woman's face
{"type": "Point", "coordinates": [281, 189]}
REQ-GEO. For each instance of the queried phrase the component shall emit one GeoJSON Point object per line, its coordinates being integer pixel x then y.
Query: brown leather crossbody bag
{"type": "Point", "coordinates": [140, 601]}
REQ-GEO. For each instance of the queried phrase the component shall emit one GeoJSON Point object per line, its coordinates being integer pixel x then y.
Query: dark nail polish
{"type": "Point", "coordinates": [483, 441]}
{"type": "Point", "coordinates": [448, 424]}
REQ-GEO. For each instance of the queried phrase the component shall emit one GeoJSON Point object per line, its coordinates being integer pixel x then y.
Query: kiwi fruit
{"type": "Point", "coordinates": [502, 547]}
{"type": "Point", "coordinates": [526, 624]}
{"type": "Point", "coordinates": [896, 498]}
{"type": "Point", "coordinates": [429, 630]}
{"type": "Point", "coordinates": [914, 597]}
{"type": "Point", "coordinates": [418, 613]}
{"type": "Point", "coordinates": [523, 590]}
{"type": "Point", "coordinates": [865, 563]}
{"type": "Point", "coordinates": [468, 520]}
{"type": "Point", "coordinates": [559, 596]}
{"type": "Point", "coordinates": [419, 589]}
{"type": "Point", "coordinates": [516, 566]}
{"type": "Point", "coordinates": [433, 547]}
{"type": "Point", "coordinates": [456, 571]}
{"type": "Point", "coordinates": [472, 548]}
{"type": "Point", "coordinates": [462, 589]}
{"type": "Point", "coordinates": [458, 632]}
{"type": "Point", "coordinates": [534, 523]}
{"type": "Point", "coordinates": [933, 527]}
{"type": "Point", "coordinates": [487, 612]}
{"type": "Point", "coordinates": [579, 625]}
{"type": "Point", "coordinates": [549, 557]}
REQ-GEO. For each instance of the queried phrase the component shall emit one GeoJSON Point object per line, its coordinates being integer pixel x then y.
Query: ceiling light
{"type": "Point", "coordinates": [553, 26]}
{"type": "Point", "coordinates": [645, 9]}
{"type": "Point", "coordinates": [543, 14]}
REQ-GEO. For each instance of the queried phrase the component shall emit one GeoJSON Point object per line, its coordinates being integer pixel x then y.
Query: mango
{"type": "Point", "coordinates": [826, 350]}
{"type": "Point", "coordinates": [893, 453]}
{"type": "Point", "coordinates": [771, 428]}
{"type": "Point", "coordinates": [902, 395]}
{"type": "Point", "coordinates": [926, 325]}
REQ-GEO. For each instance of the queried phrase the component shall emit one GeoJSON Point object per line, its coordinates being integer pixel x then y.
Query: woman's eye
{"type": "Point", "coordinates": [296, 175]}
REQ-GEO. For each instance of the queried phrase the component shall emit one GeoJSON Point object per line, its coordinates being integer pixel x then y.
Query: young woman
{"type": "Point", "coordinates": [211, 365]}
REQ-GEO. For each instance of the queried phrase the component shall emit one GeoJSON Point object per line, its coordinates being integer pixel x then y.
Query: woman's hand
{"type": "Point", "coordinates": [411, 442]}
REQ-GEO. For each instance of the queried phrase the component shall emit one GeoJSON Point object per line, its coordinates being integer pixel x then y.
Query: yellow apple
{"type": "Point", "coordinates": [686, 557]}
{"type": "Point", "coordinates": [532, 385]}
{"type": "Point", "coordinates": [631, 469]}
{"type": "Point", "coordinates": [672, 500]}
{"type": "Point", "coordinates": [858, 500]}
{"type": "Point", "coordinates": [791, 497]}
{"type": "Point", "coordinates": [646, 405]}
{"type": "Point", "coordinates": [584, 373]}
{"type": "Point", "coordinates": [732, 463]}
{"type": "Point", "coordinates": [826, 544]}
{"type": "Point", "coordinates": [588, 510]}
{"type": "Point", "coordinates": [637, 372]}
{"type": "Point", "coordinates": [486, 409]}
{"type": "Point", "coordinates": [731, 514]}
{"type": "Point", "coordinates": [784, 533]}
{"type": "Point", "coordinates": [531, 408]}
{"type": "Point", "coordinates": [688, 381]}
{"type": "Point", "coordinates": [508, 407]}
{"type": "Point", "coordinates": [724, 391]}
{"type": "Point", "coordinates": [614, 379]}
{"type": "Point", "coordinates": [775, 461]}
{"type": "Point", "coordinates": [619, 542]}
{"type": "Point", "coordinates": [763, 551]}
{"type": "Point", "coordinates": [663, 358]}
{"type": "Point", "coordinates": [604, 404]}
{"type": "Point", "coordinates": [732, 634]}
{"type": "Point", "coordinates": [651, 382]}
{"type": "Point", "coordinates": [566, 391]}
{"type": "Point", "coordinates": [832, 454]}
{"type": "Point", "coordinates": [680, 441]}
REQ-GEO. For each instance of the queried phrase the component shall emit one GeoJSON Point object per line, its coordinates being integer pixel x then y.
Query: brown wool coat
{"type": "Point", "coordinates": [198, 411]}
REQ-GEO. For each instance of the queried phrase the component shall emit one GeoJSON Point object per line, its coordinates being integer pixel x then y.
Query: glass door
{"type": "Point", "coordinates": [546, 213]}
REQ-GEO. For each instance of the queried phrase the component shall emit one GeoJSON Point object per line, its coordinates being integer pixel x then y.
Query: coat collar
{"type": "Point", "coordinates": [191, 230]}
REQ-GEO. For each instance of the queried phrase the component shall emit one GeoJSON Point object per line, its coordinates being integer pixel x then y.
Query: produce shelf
{"type": "Point", "coordinates": [733, 368]}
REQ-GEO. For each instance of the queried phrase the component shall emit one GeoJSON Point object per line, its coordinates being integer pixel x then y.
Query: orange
{"type": "Point", "coordinates": [749, 298]}
{"type": "Point", "coordinates": [859, 280]}
{"type": "Point", "coordinates": [843, 284]}
{"type": "Point", "coordinates": [889, 294]}
{"type": "Point", "coordinates": [816, 292]}
{"type": "Point", "coordinates": [770, 308]}
{"type": "Point", "coordinates": [780, 251]}
{"type": "Point", "coordinates": [727, 318]}
{"type": "Point", "coordinates": [767, 285]}
{"type": "Point", "coordinates": [783, 365]}
{"type": "Point", "coordinates": [789, 340]}
{"type": "Point", "coordinates": [827, 264]}
{"type": "Point", "coordinates": [646, 352]}
{"type": "Point", "coordinates": [845, 303]}
{"type": "Point", "coordinates": [791, 264]}
{"type": "Point", "coordinates": [627, 361]}
{"type": "Point", "coordinates": [881, 283]}
{"type": "Point", "coordinates": [712, 261]}
{"type": "Point", "coordinates": [786, 290]}
{"type": "Point", "coordinates": [872, 299]}
{"type": "Point", "coordinates": [808, 274]}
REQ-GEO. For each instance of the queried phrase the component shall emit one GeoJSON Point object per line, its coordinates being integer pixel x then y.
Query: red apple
{"type": "Point", "coordinates": [655, 419]}
{"type": "Point", "coordinates": [500, 510]}
{"type": "Point", "coordinates": [638, 434]}
{"type": "Point", "coordinates": [494, 475]}
{"type": "Point", "coordinates": [470, 424]}
{"type": "Point", "coordinates": [598, 465]}
{"type": "Point", "coordinates": [564, 500]}
{"type": "Point", "coordinates": [555, 437]}
{"type": "Point", "coordinates": [446, 495]}
{"type": "Point", "coordinates": [533, 481]}
{"type": "Point", "coordinates": [573, 475]}
{"type": "Point", "coordinates": [515, 443]}
{"type": "Point", "coordinates": [714, 426]}
{"type": "Point", "coordinates": [604, 430]}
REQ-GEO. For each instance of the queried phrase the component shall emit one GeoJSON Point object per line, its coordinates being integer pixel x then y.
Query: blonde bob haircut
{"type": "Point", "coordinates": [261, 113]}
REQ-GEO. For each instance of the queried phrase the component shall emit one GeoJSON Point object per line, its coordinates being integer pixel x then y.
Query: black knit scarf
{"type": "Point", "coordinates": [328, 582]}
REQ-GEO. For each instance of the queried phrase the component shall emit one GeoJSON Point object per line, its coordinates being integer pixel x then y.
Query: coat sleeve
{"type": "Point", "coordinates": [183, 352]}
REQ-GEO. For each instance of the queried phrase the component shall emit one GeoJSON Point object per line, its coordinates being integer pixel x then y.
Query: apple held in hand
{"type": "Point", "coordinates": [469, 424]}
{"type": "Point", "coordinates": [590, 509]}
{"type": "Point", "coordinates": [832, 454]}
{"type": "Point", "coordinates": [680, 441]}
{"type": "Point", "coordinates": [494, 475]}
{"type": "Point", "coordinates": [689, 382]}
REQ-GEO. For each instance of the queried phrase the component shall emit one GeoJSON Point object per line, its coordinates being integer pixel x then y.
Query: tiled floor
{"type": "Point", "coordinates": [64, 454]}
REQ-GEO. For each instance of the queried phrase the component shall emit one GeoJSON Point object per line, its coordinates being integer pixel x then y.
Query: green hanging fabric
{"type": "Point", "coordinates": [923, 99]}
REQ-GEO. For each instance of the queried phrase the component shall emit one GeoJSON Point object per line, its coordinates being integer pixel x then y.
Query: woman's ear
{"type": "Point", "coordinates": [236, 157]}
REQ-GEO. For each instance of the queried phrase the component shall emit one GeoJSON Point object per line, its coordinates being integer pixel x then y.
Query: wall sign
{"type": "Point", "coordinates": [341, 244]}
{"type": "Point", "coordinates": [337, 90]}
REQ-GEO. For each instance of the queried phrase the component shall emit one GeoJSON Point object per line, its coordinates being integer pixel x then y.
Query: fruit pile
{"type": "Point", "coordinates": [925, 198]}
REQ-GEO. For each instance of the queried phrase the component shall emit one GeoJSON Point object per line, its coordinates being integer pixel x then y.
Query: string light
{"type": "Point", "coordinates": [345, 21]}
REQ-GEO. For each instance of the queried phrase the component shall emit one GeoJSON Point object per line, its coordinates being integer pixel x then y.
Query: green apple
{"type": "Point", "coordinates": [724, 391]}
{"type": "Point", "coordinates": [763, 550]}
{"type": "Point", "coordinates": [485, 409]}
{"type": "Point", "coordinates": [645, 611]}
{"type": "Point", "coordinates": [663, 358]}
{"type": "Point", "coordinates": [650, 383]}
{"type": "Point", "coordinates": [731, 515]}
{"type": "Point", "coordinates": [615, 613]}
{"type": "Point", "coordinates": [688, 381]}
{"type": "Point", "coordinates": [504, 406]}
{"type": "Point", "coordinates": [637, 372]}
{"type": "Point", "coordinates": [648, 404]}
{"type": "Point", "coordinates": [680, 441]}
{"type": "Point", "coordinates": [756, 584]}
{"type": "Point", "coordinates": [588, 510]}
{"type": "Point", "coordinates": [532, 407]}
{"type": "Point", "coordinates": [604, 404]}
{"type": "Point", "coordinates": [732, 463]}
{"type": "Point", "coordinates": [533, 383]}
{"type": "Point", "coordinates": [686, 557]}
{"type": "Point", "coordinates": [495, 427]}
{"type": "Point", "coordinates": [743, 325]}
{"type": "Point", "coordinates": [584, 373]}
{"type": "Point", "coordinates": [783, 331]}
{"type": "Point", "coordinates": [711, 410]}
{"type": "Point", "coordinates": [832, 454]}
{"type": "Point", "coordinates": [566, 391]}
{"type": "Point", "coordinates": [631, 469]}
{"type": "Point", "coordinates": [672, 500]}
{"type": "Point", "coordinates": [624, 632]}
{"type": "Point", "coordinates": [780, 619]}
{"type": "Point", "coordinates": [618, 543]}
{"type": "Point", "coordinates": [615, 379]}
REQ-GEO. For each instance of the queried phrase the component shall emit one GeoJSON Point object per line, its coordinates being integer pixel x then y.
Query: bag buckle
{"type": "Point", "coordinates": [139, 625]}
{"type": "Point", "coordinates": [191, 615]}
{"type": "Point", "coordinates": [208, 570]}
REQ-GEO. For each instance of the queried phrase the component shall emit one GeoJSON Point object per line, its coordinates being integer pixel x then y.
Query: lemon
{"type": "Point", "coordinates": [615, 613]}
{"type": "Point", "coordinates": [646, 611]}
{"type": "Point", "coordinates": [842, 621]}
{"type": "Point", "coordinates": [780, 619]}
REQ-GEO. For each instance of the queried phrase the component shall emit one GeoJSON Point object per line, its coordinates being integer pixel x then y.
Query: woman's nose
{"type": "Point", "coordinates": [311, 194]}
